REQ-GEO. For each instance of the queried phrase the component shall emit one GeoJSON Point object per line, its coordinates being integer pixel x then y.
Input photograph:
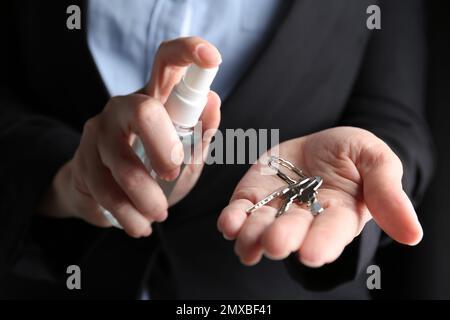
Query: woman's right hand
{"type": "Point", "coordinates": [105, 170]}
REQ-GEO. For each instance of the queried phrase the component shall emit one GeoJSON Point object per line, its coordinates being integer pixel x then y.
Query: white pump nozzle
{"type": "Point", "coordinates": [198, 78]}
{"type": "Point", "coordinates": [189, 97]}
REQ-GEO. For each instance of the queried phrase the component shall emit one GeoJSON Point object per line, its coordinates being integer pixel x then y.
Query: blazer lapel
{"type": "Point", "coordinates": [300, 62]}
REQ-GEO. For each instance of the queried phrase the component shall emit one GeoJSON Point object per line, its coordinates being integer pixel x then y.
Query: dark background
{"type": "Point", "coordinates": [423, 272]}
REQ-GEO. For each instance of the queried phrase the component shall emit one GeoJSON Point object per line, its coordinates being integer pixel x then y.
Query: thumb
{"type": "Point", "coordinates": [382, 171]}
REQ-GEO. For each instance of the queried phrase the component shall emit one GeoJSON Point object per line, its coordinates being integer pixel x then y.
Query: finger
{"type": "Point", "coordinates": [233, 217]}
{"type": "Point", "coordinates": [286, 233]}
{"type": "Point", "coordinates": [235, 214]}
{"type": "Point", "coordinates": [329, 233]}
{"type": "Point", "coordinates": [387, 202]}
{"type": "Point", "coordinates": [209, 123]}
{"type": "Point", "coordinates": [148, 118]}
{"type": "Point", "coordinates": [108, 194]}
{"type": "Point", "coordinates": [211, 114]}
{"type": "Point", "coordinates": [87, 208]}
{"type": "Point", "coordinates": [172, 57]}
{"type": "Point", "coordinates": [133, 178]}
{"type": "Point", "coordinates": [248, 244]}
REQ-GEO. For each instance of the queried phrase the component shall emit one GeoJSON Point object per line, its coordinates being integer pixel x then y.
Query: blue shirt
{"type": "Point", "coordinates": [123, 35]}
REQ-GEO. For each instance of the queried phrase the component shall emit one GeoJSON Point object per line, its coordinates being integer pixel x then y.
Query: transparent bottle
{"type": "Point", "coordinates": [184, 105]}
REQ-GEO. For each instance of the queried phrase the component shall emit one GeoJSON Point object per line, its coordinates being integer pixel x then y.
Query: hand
{"type": "Point", "coordinates": [106, 171]}
{"type": "Point", "coordinates": [362, 180]}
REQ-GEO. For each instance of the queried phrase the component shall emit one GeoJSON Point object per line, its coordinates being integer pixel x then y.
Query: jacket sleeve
{"type": "Point", "coordinates": [32, 148]}
{"type": "Point", "coordinates": [388, 100]}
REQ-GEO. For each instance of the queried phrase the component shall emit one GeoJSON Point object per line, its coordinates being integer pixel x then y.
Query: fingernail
{"type": "Point", "coordinates": [177, 154]}
{"type": "Point", "coordinates": [249, 264]}
{"type": "Point", "coordinates": [148, 233]}
{"type": "Point", "coordinates": [227, 237]}
{"type": "Point", "coordinates": [269, 256]}
{"type": "Point", "coordinates": [418, 236]}
{"type": "Point", "coordinates": [418, 232]}
{"type": "Point", "coordinates": [171, 175]}
{"type": "Point", "coordinates": [311, 264]}
{"type": "Point", "coordinates": [161, 216]}
{"type": "Point", "coordinates": [208, 54]}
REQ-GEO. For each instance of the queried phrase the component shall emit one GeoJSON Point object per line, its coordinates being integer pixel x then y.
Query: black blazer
{"type": "Point", "coordinates": [321, 68]}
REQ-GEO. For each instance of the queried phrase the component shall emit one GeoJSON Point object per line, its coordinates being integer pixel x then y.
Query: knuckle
{"type": "Point", "coordinates": [117, 207]}
{"type": "Point", "coordinates": [192, 42]}
{"type": "Point", "coordinates": [91, 126]}
{"type": "Point", "coordinates": [164, 44]}
{"type": "Point", "coordinates": [146, 113]}
{"type": "Point", "coordinates": [132, 179]}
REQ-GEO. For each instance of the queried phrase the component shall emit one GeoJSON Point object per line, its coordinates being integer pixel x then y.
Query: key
{"type": "Point", "coordinates": [310, 191]}
{"type": "Point", "coordinates": [288, 165]}
{"type": "Point", "coordinates": [315, 207]}
{"type": "Point", "coordinates": [276, 194]}
{"type": "Point", "coordinates": [289, 198]}
{"type": "Point", "coordinates": [303, 190]}
{"type": "Point", "coordinates": [280, 192]}
{"type": "Point", "coordinates": [309, 196]}
{"type": "Point", "coordinates": [304, 193]}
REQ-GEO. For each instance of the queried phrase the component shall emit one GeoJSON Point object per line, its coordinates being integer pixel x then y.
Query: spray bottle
{"type": "Point", "coordinates": [184, 105]}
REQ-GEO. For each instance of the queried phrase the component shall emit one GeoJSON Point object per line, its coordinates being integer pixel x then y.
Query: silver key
{"type": "Point", "coordinates": [304, 193]}
{"type": "Point", "coordinates": [290, 197]}
{"type": "Point", "coordinates": [280, 192]}
{"type": "Point", "coordinates": [276, 194]}
{"type": "Point", "coordinates": [303, 190]}
{"type": "Point", "coordinates": [309, 196]}
{"type": "Point", "coordinates": [310, 191]}
{"type": "Point", "coordinates": [288, 165]}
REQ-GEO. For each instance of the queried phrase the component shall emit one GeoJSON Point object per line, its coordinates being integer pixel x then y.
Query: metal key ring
{"type": "Point", "coordinates": [294, 191]}
{"type": "Point", "coordinates": [288, 165]}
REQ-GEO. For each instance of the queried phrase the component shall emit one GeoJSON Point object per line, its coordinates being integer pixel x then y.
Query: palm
{"type": "Point", "coordinates": [349, 161]}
